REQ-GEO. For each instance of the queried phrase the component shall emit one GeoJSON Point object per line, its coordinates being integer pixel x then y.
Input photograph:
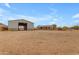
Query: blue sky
{"type": "Point", "coordinates": [62, 14]}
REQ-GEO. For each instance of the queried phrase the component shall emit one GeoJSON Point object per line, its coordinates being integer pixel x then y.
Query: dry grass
{"type": "Point", "coordinates": [39, 42]}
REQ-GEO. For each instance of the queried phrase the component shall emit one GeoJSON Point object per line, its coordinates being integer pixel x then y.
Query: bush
{"type": "Point", "coordinates": [54, 26]}
{"type": "Point", "coordinates": [75, 27]}
{"type": "Point", "coordinates": [65, 28]}
{"type": "Point", "coordinates": [59, 28]}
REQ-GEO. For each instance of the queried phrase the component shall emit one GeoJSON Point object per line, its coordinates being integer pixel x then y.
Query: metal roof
{"type": "Point", "coordinates": [21, 20]}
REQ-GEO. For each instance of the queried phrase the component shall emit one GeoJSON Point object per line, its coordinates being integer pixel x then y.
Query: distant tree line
{"type": "Point", "coordinates": [54, 27]}
{"type": "Point", "coordinates": [75, 27]}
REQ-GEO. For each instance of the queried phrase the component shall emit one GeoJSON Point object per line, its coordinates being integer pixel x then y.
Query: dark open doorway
{"type": "Point", "coordinates": [22, 26]}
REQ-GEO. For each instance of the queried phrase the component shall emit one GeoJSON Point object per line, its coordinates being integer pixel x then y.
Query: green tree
{"type": "Point", "coordinates": [65, 28]}
{"type": "Point", "coordinates": [75, 27]}
{"type": "Point", "coordinates": [59, 28]}
{"type": "Point", "coordinates": [54, 26]}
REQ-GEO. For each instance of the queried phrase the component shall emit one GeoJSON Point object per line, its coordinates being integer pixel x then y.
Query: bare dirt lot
{"type": "Point", "coordinates": [39, 42]}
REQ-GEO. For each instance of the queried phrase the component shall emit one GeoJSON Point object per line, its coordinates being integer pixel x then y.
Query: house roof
{"type": "Point", "coordinates": [3, 25]}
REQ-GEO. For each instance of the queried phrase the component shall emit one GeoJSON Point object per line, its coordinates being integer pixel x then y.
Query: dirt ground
{"type": "Point", "coordinates": [39, 42]}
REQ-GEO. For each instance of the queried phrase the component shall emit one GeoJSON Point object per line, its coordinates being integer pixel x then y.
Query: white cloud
{"type": "Point", "coordinates": [7, 5]}
{"type": "Point", "coordinates": [29, 18]}
{"type": "Point", "coordinates": [1, 15]}
{"type": "Point", "coordinates": [35, 19]}
{"type": "Point", "coordinates": [55, 19]}
{"type": "Point", "coordinates": [76, 16]}
{"type": "Point", "coordinates": [76, 21]}
{"type": "Point", "coordinates": [7, 15]}
{"type": "Point", "coordinates": [53, 22]}
{"type": "Point", "coordinates": [44, 18]}
{"type": "Point", "coordinates": [2, 11]}
{"type": "Point", "coordinates": [10, 18]}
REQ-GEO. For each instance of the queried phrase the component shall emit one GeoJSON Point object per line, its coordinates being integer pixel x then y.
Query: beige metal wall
{"type": "Point", "coordinates": [13, 25]}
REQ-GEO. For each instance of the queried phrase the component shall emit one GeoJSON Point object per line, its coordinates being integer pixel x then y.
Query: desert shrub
{"type": "Point", "coordinates": [54, 26]}
{"type": "Point", "coordinates": [65, 28]}
{"type": "Point", "coordinates": [59, 28]}
{"type": "Point", "coordinates": [75, 27]}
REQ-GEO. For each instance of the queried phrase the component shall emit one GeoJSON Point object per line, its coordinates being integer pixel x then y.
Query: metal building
{"type": "Point", "coordinates": [20, 24]}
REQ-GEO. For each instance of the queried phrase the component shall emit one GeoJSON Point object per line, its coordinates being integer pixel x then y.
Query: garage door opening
{"type": "Point", "coordinates": [22, 26]}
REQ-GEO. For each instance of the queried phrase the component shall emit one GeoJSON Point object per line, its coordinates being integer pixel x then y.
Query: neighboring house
{"type": "Point", "coordinates": [3, 27]}
{"type": "Point", "coordinates": [45, 27]}
{"type": "Point", "coordinates": [20, 24]}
